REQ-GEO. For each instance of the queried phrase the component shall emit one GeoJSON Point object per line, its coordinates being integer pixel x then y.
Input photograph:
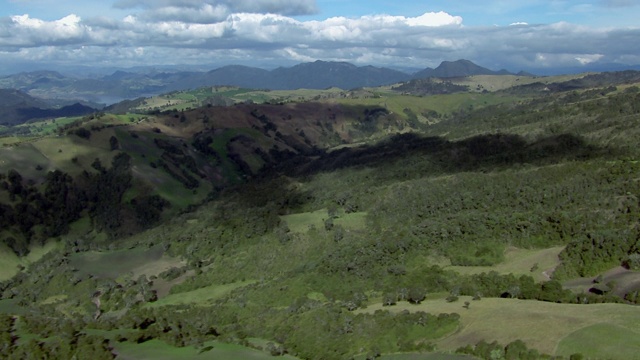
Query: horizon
{"type": "Point", "coordinates": [84, 71]}
{"type": "Point", "coordinates": [533, 36]}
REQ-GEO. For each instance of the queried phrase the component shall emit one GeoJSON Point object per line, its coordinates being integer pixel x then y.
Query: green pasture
{"type": "Point", "coordinates": [9, 261]}
{"type": "Point", "coordinates": [620, 342]}
{"type": "Point", "coordinates": [443, 104]}
{"type": "Point", "coordinates": [548, 327]}
{"type": "Point", "coordinates": [113, 264]}
{"type": "Point", "coordinates": [49, 126]}
{"type": "Point", "coordinates": [202, 296]}
{"type": "Point", "coordinates": [421, 356]}
{"type": "Point", "coordinates": [71, 154]}
{"type": "Point", "coordinates": [261, 96]}
{"type": "Point", "coordinates": [11, 307]}
{"type": "Point", "coordinates": [501, 82]}
{"type": "Point", "coordinates": [24, 158]}
{"type": "Point", "coordinates": [519, 262]}
{"type": "Point", "coordinates": [10, 140]}
{"type": "Point", "coordinates": [158, 350]}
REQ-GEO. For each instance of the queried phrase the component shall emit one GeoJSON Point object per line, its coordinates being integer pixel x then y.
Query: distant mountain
{"type": "Point", "coordinates": [35, 79]}
{"type": "Point", "coordinates": [17, 107]}
{"type": "Point", "coordinates": [459, 68]}
{"type": "Point", "coordinates": [121, 85]}
{"type": "Point", "coordinates": [12, 98]}
{"type": "Point", "coordinates": [324, 74]}
{"type": "Point", "coordinates": [237, 75]}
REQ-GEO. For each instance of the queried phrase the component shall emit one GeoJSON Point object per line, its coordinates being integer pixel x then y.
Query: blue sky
{"type": "Point", "coordinates": [525, 34]}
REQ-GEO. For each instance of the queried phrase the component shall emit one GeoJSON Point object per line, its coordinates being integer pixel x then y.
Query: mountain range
{"type": "Point", "coordinates": [315, 75]}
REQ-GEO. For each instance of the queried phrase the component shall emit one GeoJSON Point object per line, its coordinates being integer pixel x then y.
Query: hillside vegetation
{"type": "Point", "coordinates": [381, 222]}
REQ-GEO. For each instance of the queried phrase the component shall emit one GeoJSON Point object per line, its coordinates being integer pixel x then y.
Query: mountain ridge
{"type": "Point", "coordinates": [123, 84]}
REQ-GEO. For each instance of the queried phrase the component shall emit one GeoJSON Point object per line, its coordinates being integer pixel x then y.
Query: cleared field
{"type": "Point", "coordinates": [202, 296]}
{"type": "Point", "coordinates": [60, 153]}
{"type": "Point", "coordinates": [501, 82]}
{"type": "Point", "coordinates": [541, 325]}
{"type": "Point", "coordinates": [622, 343]}
{"type": "Point", "coordinates": [422, 356]}
{"type": "Point", "coordinates": [10, 306]}
{"type": "Point", "coordinates": [520, 262]}
{"type": "Point", "coordinates": [113, 264]}
{"type": "Point", "coordinates": [443, 104]}
{"type": "Point", "coordinates": [9, 261]}
{"type": "Point", "coordinates": [158, 350]}
{"type": "Point", "coordinates": [23, 158]}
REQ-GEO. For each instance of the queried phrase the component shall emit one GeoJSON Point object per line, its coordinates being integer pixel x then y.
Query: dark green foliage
{"type": "Point", "coordinates": [632, 261]}
{"type": "Point", "coordinates": [83, 133]}
{"type": "Point", "coordinates": [114, 144]}
{"type": "Point", "coordinates": [178, 163]}
{"type": "Point", "coordinates": [66, 200]}
{"type": "Point", "coordinates": [106, 191]}
{"type": "Point", "coordinates": [348, 334]}
{"type": "Point", "coordinates": [597, 251]}
{"type": "Point", "coordinates": [148, 209]}
{"type": "Point", "coordinates": [516, 350]}
{"type": "Point", "coordinates": [50, 340]}
{"type": "Point", "coordinates": [416, 295]}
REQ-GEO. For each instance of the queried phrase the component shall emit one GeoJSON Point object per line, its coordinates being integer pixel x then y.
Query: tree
{"type": "Point", "coordinates": [416, 295]}
{"type": "Point", "coordinates": [113, 143]}
{"type": "Point", "coordinates": [515, 350]}
{"type": "Point", "coordinates": [83, 133]}
{"type": "Point", "coordinates": [389, 299]}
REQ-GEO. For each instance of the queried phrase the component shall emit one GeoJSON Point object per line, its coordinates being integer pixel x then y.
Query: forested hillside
{"type": "Point", "coordinates": [426, 219]}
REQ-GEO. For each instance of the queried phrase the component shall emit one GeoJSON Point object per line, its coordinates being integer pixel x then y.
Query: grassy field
{"type": "Point", "coordinates": [9, 262]}
{"type": "Point", "coordinates": [622, 342]}
{"type": "Point", "coordinates": [548, 327]}
{"type": "Point", "coordinates": [443, 104]}
{"type": "Point", "coordinates": [113, 264]}
{"type": "Point", "coordinates": [158, 350]}
{"type": "Point", "coordinates": [421, 356]}
{"type": "Point", "coordinates": [519, 262]}
{"type": "Point", "coordinates": [300, 223]}
{"type": "Point", "coordinates": [501, 82]}
{"type": "Point", "coordinates": [202, 296]}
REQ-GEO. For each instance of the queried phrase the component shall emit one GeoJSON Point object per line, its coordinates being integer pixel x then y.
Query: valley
{"type": "Point", "coordinates": [476, 216]}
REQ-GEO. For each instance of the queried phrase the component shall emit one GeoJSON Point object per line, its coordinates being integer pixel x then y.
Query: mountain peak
{"type": "Point", "coordinates": [458, 68]}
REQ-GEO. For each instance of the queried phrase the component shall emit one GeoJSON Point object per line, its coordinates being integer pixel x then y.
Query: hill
{"type": "Point", "coordinates": [459, 68]}
{"type": "Point", "coordinates": [357, 224]}
{"type": "Point", "coordinates": [16, 107]}
{"type": "Point", "coordinates": [123, 85]}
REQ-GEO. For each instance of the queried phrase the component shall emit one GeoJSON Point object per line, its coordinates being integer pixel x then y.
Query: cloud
{"type": "Point", "coordinates": [23, 30]}
{"type": "Point", "coordinates": [215, 10]}
{"type": "Point", "coordinates": [271, 39]}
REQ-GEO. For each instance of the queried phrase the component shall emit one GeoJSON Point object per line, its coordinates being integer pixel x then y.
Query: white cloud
{"type": "Point", "coordinates": [585, 59]}
{"type": "Point", "coordinates": [214, 10]}
{"type": "Point", "coordinates": [250, 37]}
{"type": "Point", "coordinates": [24, 30]}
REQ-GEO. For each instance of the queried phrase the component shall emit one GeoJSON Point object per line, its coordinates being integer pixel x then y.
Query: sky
{"type": "Point", "coordinates": [531, 35]}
